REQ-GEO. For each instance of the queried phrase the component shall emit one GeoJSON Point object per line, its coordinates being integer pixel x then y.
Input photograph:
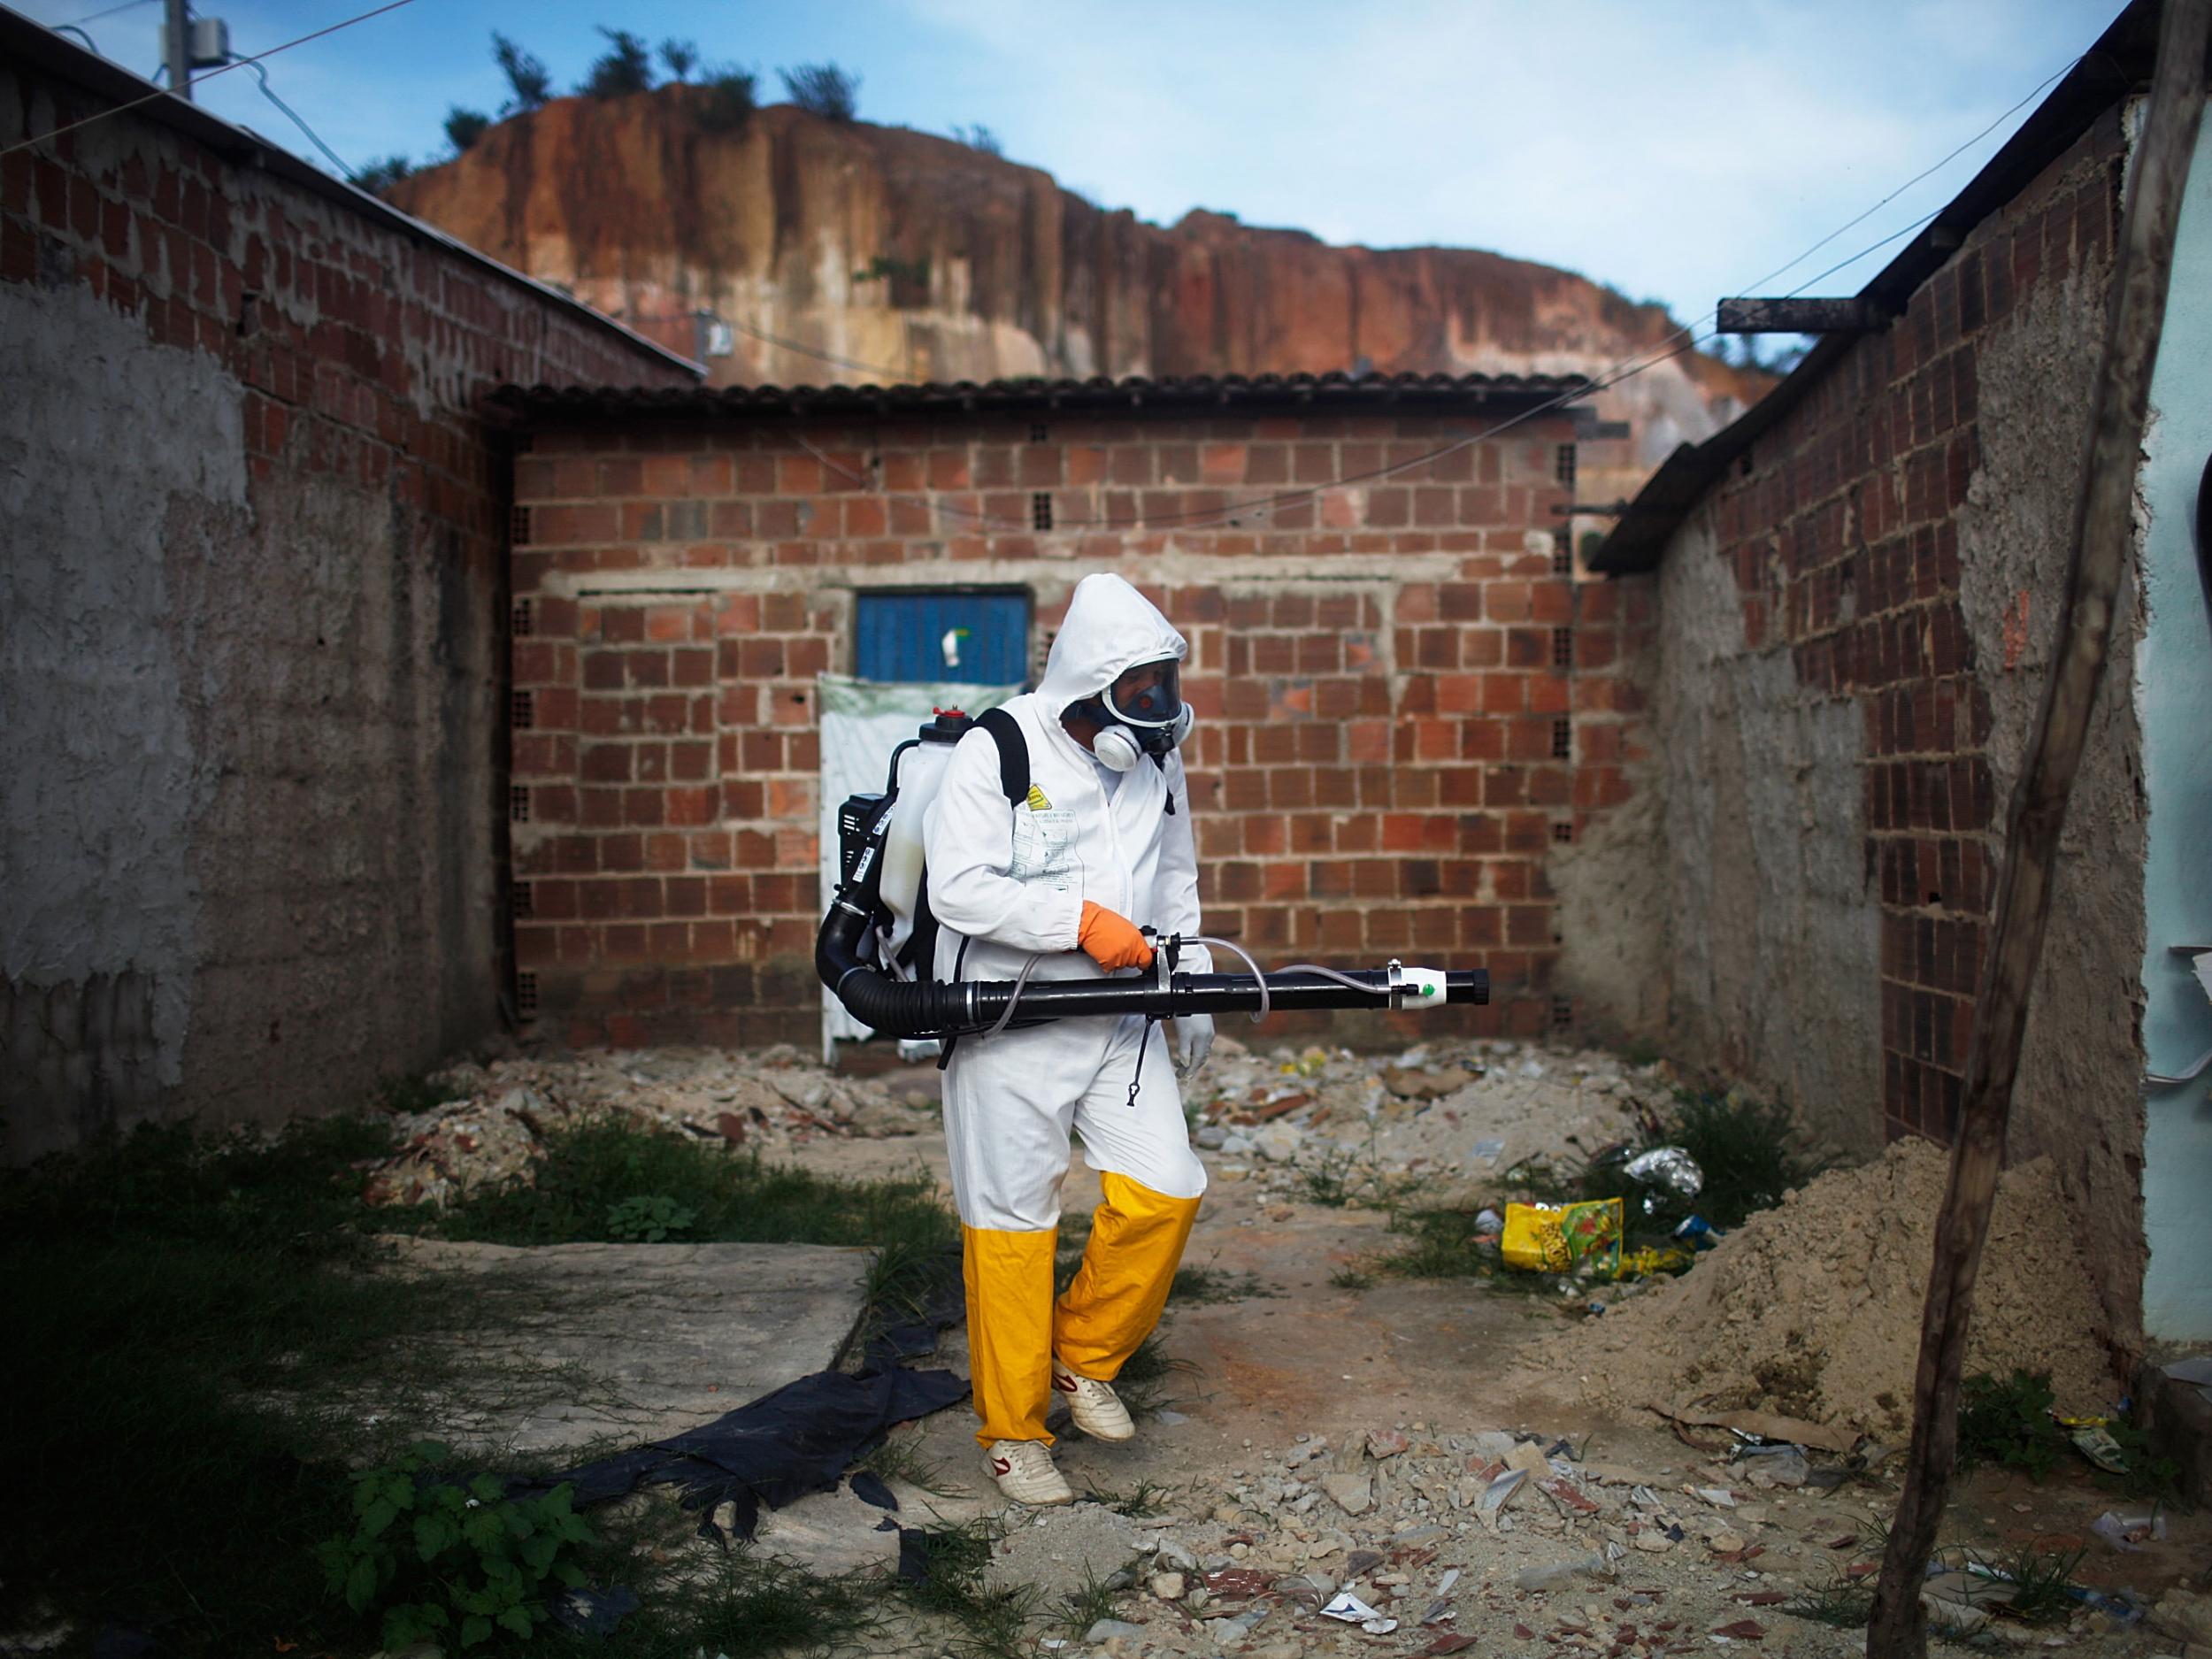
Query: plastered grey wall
{"type": "Point", "coordinates": [2078, 1098]}
{"type": "Point", "coordinates": [101, 776]}
{"type": "Point", "coordinates": [247, 773]}
{"type": "Point", "coordinates": [1772, 940]}
{"type": "Point", "coordinates": [1613, 892]}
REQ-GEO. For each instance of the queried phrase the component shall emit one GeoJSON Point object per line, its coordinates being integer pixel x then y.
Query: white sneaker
{"type": "Point", "coordinates": [1025, 1473]}
{"type": "Point", "coordinates": [1097, 1410]}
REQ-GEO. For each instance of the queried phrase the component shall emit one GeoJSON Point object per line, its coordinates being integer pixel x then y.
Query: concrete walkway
{"type": "Point", "coordinates": [601, 1343]}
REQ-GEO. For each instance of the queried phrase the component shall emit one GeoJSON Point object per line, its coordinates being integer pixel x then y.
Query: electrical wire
{"type": "Point", "coordinates": [93, 17]}
{"type": "Point", "coordinates": [236, 63]}
{"type": "Point", "coordinates": [313, 137]}
{"type": "Point", "coordinates": [1683, 338]}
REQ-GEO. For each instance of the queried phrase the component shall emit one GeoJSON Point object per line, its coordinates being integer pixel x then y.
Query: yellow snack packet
{"type": "Point", "coordinates": [1583, 1238]}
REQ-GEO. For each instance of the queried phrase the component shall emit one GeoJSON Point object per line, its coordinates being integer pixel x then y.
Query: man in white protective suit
{"type": "Point", "coordinates": [1102, 845]}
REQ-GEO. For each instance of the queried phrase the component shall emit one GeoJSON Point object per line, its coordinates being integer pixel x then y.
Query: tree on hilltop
{"type": "Point", "coordinates": [728, 98]}
{"type": "Point", "coordinates": [627, 67]}
{"type": "Point", "coordinates": [681, 57]}
{"type": "Point", "coordinates": [823, 89]}
{"type": "Point", "coordinates": [527, 77]}
{"type": "Point", "coordinates": [463, 127]}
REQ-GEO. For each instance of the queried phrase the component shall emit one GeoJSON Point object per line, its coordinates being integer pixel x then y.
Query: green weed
{"type": "Point", "coordinates": [203, 1318]}
{"type": "Point", "coordinates": [901, 1458]}
{"type": "Point", "coordinates": [208, 1322]}
{"type": "Point", "coordinates": [2150, 1475]}
{"type": "Point", "coordinates": [2008, 1423]}
{"type": "Point", "coordinates": [1146, 1376]}
{"type": "Point", "coordinates": [1352, 1279]}
{"type": "Point", "coordinates": [649, 1220]}
{"type": "Point", "coordinates": [1146, 1498]}
{"type": "Point", "coordinates": [1084, 1606]}
{"type": "Point", "coordinates": [1844, 1605]}
{"type": "Point", "coordinates": [994, 1625]}
{"type": "Point", "coordinates": [1214, 1284]}
{"type": "Point", "coordinates": [433, 1557]}
{"type": "Point", "coordinates": [1749, 1154]}
{"type": "Point", "coordinates": [2041, 1580]}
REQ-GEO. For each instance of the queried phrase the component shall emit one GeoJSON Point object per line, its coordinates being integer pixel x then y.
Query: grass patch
{"type": "Point", "coordinates": [1084, 1606]}
{"type": "Point", "coordinates": [1146, 1498]}
{"type": "Point", "coordinates": [1147, 1377]}
{"type": "Point", "coordinates": [174, 1286]}
{"type": "Point", "coordinates": [1842, 1605]}
{"type": "Point", "coordinates": [1352, 1279]}
{"type": "Point", "coordinates": [752, 1607]}
{"type": "Point", "coordinates": [1214, 1284]}
{"type": "Point", "coordinates": [1749, 1152]}
{"type": "Point", "coordinates": [2041, 1579]}
{"type": "Point", "coordinates": [593, 1173]}
{"type": "Point", "coordinates": [901, 1458]}
{"type": "Point", "coordinates": [992, 1625]}
{"type": "Point", "coordinates": [206, 1326]}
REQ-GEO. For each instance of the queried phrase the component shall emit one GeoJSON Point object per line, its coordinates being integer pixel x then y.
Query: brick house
{"type": "Point", "coordinates": [252, 805]}
{"type": "Point", "coordinates": [1856, 586]}
{"type": "Point", "coordinates": [1408, 705]}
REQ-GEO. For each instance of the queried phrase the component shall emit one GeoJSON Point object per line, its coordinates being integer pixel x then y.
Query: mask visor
{"type": "Point", "coordinates": [1148, 696]}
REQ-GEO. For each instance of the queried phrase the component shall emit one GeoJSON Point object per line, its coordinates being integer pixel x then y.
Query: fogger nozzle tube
{"type": "Point", "coordinates": [844, 948]}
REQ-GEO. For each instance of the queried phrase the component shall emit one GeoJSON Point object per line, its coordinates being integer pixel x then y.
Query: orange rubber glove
{"type": "Point", "coordinates": [1111, 941]}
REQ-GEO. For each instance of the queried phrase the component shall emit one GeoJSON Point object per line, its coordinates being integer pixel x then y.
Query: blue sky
{"type": "Point", "coordinates": [1675, 150]}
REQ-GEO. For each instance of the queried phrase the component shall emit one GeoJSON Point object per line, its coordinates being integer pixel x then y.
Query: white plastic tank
{"type": "Point", "coordinates": [921, 769]}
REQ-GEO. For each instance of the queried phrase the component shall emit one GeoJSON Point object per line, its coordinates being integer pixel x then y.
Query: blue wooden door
{"type": "Point", "coordinates": [978, 638]}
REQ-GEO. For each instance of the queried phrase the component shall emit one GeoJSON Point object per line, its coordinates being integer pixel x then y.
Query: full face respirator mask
{"type": "Point", "coordinates": [1141, 713]}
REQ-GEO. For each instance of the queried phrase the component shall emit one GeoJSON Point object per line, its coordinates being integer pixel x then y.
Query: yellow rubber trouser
{"type": "Point", "coordinates": [1014, 1326]}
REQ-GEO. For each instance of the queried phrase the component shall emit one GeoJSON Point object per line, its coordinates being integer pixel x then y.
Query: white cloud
{"type": "Point", "coordinates": [1677, 151]}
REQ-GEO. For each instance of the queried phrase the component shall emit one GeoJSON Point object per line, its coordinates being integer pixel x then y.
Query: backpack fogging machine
{"type": "Point", "coordinates": [876, 948]}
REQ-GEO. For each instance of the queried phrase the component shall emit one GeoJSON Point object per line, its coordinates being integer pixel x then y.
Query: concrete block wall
{"type": "Point", "coordinates": [1854, 629]}
{"type": "Point", "coordinates": [251, 775]}
{"type": "Point", "coordinates": [1404, 709]}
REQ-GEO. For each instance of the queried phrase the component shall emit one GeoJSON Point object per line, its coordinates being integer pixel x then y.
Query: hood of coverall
{"type": "Point", "coordinates": [1110, 628]}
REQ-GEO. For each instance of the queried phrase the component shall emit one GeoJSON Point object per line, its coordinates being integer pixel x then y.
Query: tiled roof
{"type": "Point", "coordinates": [1280, 392]}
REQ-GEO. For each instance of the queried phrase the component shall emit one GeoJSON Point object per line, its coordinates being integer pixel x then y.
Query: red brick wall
{"type": "Point", "coordinates": [1380, 675]}
{"type": "Point", "coordinates": [1843, 537]}
{"type": "Point", "coordinates": [296, 626]}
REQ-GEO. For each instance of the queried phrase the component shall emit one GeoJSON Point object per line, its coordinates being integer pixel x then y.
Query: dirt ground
{"type": "Point", "coordinates": [1337, 1430]}
{"type": "Point", "coordinates": [1326, 1438]}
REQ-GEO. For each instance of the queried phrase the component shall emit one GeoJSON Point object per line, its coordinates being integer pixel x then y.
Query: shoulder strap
{"type": "Point", "coordinates": [1013, 753]}
{"type": "Point", "coordinates": [1161, 761]}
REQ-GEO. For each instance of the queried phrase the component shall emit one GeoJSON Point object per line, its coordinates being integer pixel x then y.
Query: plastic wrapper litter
{"type": "Point", "coordinates": [1584, 1238]}
{"type": "Point", "coordinates": [1664, 1170]}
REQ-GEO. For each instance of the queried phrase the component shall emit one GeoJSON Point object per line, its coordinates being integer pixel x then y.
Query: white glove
{"type": "Point", "coordinates": [1193, 1041]}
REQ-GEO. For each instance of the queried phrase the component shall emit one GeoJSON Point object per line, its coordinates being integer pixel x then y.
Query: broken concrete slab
{"type": "Point", "coordinates": [636, 1342]}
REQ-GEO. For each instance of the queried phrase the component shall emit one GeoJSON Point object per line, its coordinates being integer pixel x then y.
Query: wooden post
{"type": "Point", "coordinates": [2103, 533]}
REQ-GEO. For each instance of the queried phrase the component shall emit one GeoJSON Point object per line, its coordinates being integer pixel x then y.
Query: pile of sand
{"type": "Point", "coordinates": [1813, 1309]}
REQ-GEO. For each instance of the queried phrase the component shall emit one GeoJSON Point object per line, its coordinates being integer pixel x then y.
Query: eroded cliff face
{"type": "Point", "coordinates": [904, 256]}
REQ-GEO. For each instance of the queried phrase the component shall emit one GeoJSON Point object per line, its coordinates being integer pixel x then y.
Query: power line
{"type": "Point", "coordinates": [236, 63]}
{"type": "Point", "coordinates": [313, 137]}
{"type": "Point", "coordinates": [1672, 345]}
{"type": "Point", "coordinates": [93, 17]}
{"type": "Point", "coordinates": [1681, 341]}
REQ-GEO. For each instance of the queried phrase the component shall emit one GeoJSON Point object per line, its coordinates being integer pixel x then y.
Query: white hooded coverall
{"type": "Point", "coordinates": [1008, 882]}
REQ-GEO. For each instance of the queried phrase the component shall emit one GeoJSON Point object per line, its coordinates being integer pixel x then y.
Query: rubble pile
{"type": "Point", "coordinates": [1813, 1309]}
{"type": "Point", "coordinates": [1434, 1540]}
{"type": "Point", "coordinates": [492, 1123]}
{"type": "Point", "coordinates": [1452, 1116]}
